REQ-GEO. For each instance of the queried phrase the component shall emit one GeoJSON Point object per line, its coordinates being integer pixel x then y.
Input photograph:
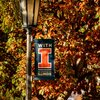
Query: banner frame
{"type": "Point", "coordinates": [44, 77]}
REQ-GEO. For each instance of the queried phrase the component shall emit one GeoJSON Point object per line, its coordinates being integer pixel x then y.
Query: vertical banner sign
{"type": "Point", "coordinates": [44, 59]}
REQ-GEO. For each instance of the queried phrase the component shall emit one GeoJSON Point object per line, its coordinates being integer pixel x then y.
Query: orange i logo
{"type": "Point", "coordinates": [44, 52]}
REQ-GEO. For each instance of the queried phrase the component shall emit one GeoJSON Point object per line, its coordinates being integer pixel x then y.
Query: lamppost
{"type": "Point", "coordinates": [29, 13]}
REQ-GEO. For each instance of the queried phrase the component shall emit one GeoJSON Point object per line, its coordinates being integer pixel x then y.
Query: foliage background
{"type": "Point", "coordinates": [75, 27]}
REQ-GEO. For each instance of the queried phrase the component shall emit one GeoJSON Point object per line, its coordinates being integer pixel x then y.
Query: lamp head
{"type": "Point", "coordinates": [29, 12]}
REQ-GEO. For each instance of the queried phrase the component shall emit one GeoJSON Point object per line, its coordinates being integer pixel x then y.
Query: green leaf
{"type": "Point", "coordinates": [40, 27]}
{"type": "Point", "coordinates": [82, 30]}
{"type": "Point", "coordinates": [5, 62]}
{"type": "Point", "coordinates": [23, 93]}
{"type": "Point", "coordinates": [13, 81]}
{"type": "Point", "coordinates": [97, 16]}
{"type": "Point", "coordinates": [41, 92]}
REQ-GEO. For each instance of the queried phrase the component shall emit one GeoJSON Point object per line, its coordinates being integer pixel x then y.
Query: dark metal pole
{"type": "Point", "coordinates": [28, 66]}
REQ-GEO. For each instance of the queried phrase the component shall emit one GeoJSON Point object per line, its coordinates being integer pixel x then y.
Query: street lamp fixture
{"type": "Point", "coordinates": [29, 14]}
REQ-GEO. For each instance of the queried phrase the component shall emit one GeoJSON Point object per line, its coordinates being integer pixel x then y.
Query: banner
{"type": "Point", "coordinates": [44, 59]}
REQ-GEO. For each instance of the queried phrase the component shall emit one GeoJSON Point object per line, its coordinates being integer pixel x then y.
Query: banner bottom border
{"type": "Point", "coordinates": [43, 77]}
